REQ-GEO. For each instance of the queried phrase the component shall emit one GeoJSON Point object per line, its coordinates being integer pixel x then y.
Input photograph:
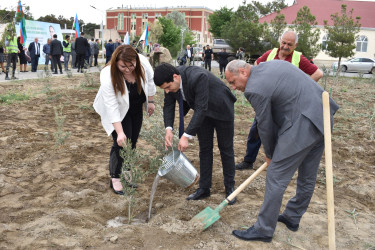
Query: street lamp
{"type": "Point", "coordinates": [101, 29]}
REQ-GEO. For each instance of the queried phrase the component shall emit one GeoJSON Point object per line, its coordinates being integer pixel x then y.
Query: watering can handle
{"type": "Point", "coordinates": [247, 182]}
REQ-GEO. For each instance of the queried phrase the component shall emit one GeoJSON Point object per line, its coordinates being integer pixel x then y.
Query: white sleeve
{"type": "Point", "coordinates": [149, 75]}
{"type": "Point", "coordinates": [109, 97]}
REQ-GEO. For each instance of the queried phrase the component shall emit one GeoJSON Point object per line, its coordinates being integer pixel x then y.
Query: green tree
{"type": "Point", "coordinates": [268, 8]}
{"type": "Point", "coordinates": [244, 30]}
{"type": "Point", "coordinates": [90, 29]}
{"type": "Point", "coordinates": [218, 19]}
{"type": "Point", "coordinates": [156, 31]}
{"type": "Point", "coordinates": [274, 30]}
{"type": "Point", "coordinates": [6, 16]}
{"type": "Point", "coordinates": [171, 35]}
{"type": "Point", "coordinates": [189, 38]}
{"type": "Point", "coordinates": [178, 18]}
{"type": "Point", "coordinates": [308, 35]}
{"type": "Point", "coordinates": [342, 35]}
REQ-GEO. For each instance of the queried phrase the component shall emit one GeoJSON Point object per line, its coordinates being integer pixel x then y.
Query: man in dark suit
{"type": "Point", "coordinates": [34, 49]}
{"type": "Point", "coordinates": [56, 52]}
{"type": "Point", "coordinates": [82, 45]}
{"type": "Point", "coordinates": [109, 48]}
{"type": "Point", "coordinates": [189, 54]}
{"type": "Point", "coordinates": [213, 105]}
{"type": "Point", "coordinates": [289, 111]}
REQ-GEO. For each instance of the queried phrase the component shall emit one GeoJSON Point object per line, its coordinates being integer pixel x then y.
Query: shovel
{"type": "Point", "coordinates": [208, 216]}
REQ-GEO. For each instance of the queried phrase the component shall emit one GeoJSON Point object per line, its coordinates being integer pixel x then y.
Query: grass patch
{"type": "Point", "coordinates": [14, 97]}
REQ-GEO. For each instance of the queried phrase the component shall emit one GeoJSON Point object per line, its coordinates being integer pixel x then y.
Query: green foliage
{"type": "Point", "coordinates": [308, 36]}
{"type": "Point", "coordinates": [13, 97]}
{"type": "Point", "coordinates": [89, 29]}
{"type": "Point", "coordinates": [342, 35]}
{"type": "Point", "coordinates": [156, 31]}
{"type": "Point", "coordinates": [244, 30]}
{"type": "Point", "coordinates": [274, 30]}
{"type": "Point", "coordinates": [178, 18]}
{"type": "Point", "coordinates": [218, 19]}
{"type": "Point", "coordinates": [60, 135]}
{"type": "Point", "coordinates": [6, 16]}
{"type": "Point", "coordinates": [171, 35]}
{"type": "Point", "coordinates": [271, 7]}
{"type": "Point", "coordinates": [189, 38]}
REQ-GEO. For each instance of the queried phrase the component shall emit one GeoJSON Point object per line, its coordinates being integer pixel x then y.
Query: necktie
{"type": "Point", "coordinates": [181, 107]}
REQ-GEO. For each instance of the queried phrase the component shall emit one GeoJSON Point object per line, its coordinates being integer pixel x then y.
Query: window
{"type": "Point", "coordinates": [133, 26]}
{"type": "Point", "coordinates": [145, 16]}
{"type": "Point", "coordinates": [133, 16]}
{"type": "Point", "coordinates": [324, 42]}
{"type": "Point", "coordinates": [362, 44]}
{"type": "Point", "coordinates": [120, 23]}
{"type": "Point", "coordinates": [157, 15]}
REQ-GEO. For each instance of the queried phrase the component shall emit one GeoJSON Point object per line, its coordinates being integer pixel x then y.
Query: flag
{"type": "Point", "coordinates": [76, 27]}
{"type": "Point", "coordinates": [144, 36]}
{"type": "Point", "coordinates": [126, 39]}
{"type": "Point", "coordinates": [21, 16]}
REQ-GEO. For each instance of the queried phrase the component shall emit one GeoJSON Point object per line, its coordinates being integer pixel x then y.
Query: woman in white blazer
{"type": "Point", "coordinates": [126, 84]}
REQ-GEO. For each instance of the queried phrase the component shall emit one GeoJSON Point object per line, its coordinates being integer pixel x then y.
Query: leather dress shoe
{"type": "Point", "coordinates": [115, 191]}
{"type": "Point", "coordinates": [200, 193]}
{"type": "Point", "coordinates": [251, 235]}
{"type": "Point", "coordinates": [244, 165]}
{"type": "Point", "coordinates": [288, 224]}
{"type": "Point", "coordinates": [228, 191]}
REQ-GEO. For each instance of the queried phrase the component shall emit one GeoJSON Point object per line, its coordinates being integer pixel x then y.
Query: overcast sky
{"type": "Point", "coordinates": [68, 8]}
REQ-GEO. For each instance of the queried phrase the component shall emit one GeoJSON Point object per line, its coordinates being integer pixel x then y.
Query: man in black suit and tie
{"type": "Point", "coordinates": [213, 105]}
{"type": "Point", "coordinates": [81, 46]}
{"type": "Point", "coordinates": [56, 52]}
{"type": "Point", "coordinates": [34, 49]}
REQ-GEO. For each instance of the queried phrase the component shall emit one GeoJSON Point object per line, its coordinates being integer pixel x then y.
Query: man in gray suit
{"type": "Point", "coordinates": [213, 105]}
{"type": "Point", "coordinates": [289, 111]}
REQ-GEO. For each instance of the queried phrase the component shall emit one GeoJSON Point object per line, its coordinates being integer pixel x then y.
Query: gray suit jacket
{"type": "Point", "coordinates": [288, 107]}
{"type": "Point", "coordinates": [206, 94]}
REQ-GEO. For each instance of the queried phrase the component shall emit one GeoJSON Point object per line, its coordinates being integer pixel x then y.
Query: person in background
{"type": "Point", "coordinates": [2, 57]}
{"type": "Point", "coordinates": [34, 49]}
{"type": "Point", "coordinates": [126, 84]}
{"type": "Point", "coordinates": [208, 57]}
{"type": "Point", "coordinates": [189, 54]}
{"type": "Point", "coordinates": [12, 52]}
{"type": "Point", "coordinates": [47, 52]}
{"type": "Point", "coordinates": [223, 60]}
{"type": "Point", "coordinates": [22, 56]}
{"type": "Point", "coordinates": [67, 49]}
{"type": "Point", "coordinates": [73, 64]}
{"type": "Point", "coordinates": [56, 52]}
{"type": "Point", "coordinates": [109, 49]}
{"type": "Point", "coordinates": [240, 55]}
{"type": "Point", "coordinates": [81, 49]}
{"type": "Point", "coordinates": [92, 44]}
{"type": "Point", "coordinates": [96, 52]}
{"type": "Point", "coordinates": [88, 55]}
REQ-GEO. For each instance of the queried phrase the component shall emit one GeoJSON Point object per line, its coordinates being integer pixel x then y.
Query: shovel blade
{"type": "Point", "coordinates": [206, 217]}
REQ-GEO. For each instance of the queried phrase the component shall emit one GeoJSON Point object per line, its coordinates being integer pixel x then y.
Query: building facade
{"type": "Point", "coordinates": [134, 20]}
{"type": "Point", "coordinates": [322, 10]}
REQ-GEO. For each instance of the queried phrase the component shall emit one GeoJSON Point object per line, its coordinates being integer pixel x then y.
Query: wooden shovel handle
{"type": "Point", "coordinates": [247, 182]}
{"type": "Point", "coordinates": [329, 174]}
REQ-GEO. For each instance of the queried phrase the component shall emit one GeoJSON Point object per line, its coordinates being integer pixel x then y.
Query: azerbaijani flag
{"type": "Point", "coordinates": [76, 27]}
{"type": "Point", "coordinates": [147, 33]}
{"type": "Point", "coordinates": [20, 15]}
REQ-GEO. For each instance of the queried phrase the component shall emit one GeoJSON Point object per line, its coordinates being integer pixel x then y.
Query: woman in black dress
{"type": "Point", "coordinates": [22, 56]}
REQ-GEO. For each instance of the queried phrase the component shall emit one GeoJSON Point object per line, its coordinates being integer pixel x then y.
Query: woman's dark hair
{"type": "Point", "coordinates": [126, 54]}
{"type": "Point", "coordinates": [164, 73]}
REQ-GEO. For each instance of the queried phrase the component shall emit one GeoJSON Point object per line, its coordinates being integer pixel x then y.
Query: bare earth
{"type": "Point", "coordinates": [59, 197]}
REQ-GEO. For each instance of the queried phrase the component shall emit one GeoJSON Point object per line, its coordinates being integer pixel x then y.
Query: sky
{"type": "Point", "coordinates": [69, 8]}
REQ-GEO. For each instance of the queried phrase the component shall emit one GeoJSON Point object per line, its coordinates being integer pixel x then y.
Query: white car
{"type": "Point", "coordinates": [358, 64]}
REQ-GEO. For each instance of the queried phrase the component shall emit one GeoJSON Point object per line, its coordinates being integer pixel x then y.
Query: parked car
{"type": "Point", "coordinates": [358, 64]}
{"type": "Point", "coordinates": [219, 44]}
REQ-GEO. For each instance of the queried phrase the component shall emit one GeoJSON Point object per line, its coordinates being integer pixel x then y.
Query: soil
{"type": "Point", "coordinates": [59, 196]}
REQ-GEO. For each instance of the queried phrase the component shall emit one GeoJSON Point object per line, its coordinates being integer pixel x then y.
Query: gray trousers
{"type": "Point", "coordinates": [66, 60]}
{"type": "Point", "coordinates": [278, 177]}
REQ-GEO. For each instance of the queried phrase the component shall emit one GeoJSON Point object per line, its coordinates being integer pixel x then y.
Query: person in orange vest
{"type": "Point", "coordinates": [286, 52]}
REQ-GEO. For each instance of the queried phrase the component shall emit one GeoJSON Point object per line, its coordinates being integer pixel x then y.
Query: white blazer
{"type": "Point", "coordinates": [113, 108]}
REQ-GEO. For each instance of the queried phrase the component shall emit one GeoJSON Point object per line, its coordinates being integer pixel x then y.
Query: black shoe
{"type": "Point", "coordinates": [288, 224]}
{"type": "Point", "coordinates": [244, 165]}
{"type": "Point", "coordinates": [61, 72]}
{"type": "Point", "coordinates": [116, 192]}
{"type": "Point", "coordinates": [55, 73]}
{"type": "Point", "coordinates": [14, 78]}
{"type": "Point", "coordinates": [251, 234]}
{"type": "Point", "coordinates": [200, 193]}
{"type": "Point", "coordinates": [228, 191]}
{"type": "Point", "coordinates": [78, 70]}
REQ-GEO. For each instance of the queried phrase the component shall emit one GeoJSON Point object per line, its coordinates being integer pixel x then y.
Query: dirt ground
{"type": "Point", "coordinates": [59, 197]}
